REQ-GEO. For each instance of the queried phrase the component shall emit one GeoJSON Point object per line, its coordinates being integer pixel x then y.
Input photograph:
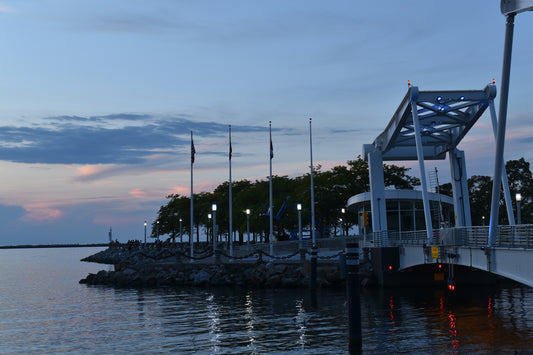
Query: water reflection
{"type": "Point", "coordinates": [214, 320]}
{"type": "Point", "coordinates": [250, 321]}
{"type": "Point", "coordinates": [300, 320]}
{"type": "Point", "coordinates": [40, 310]}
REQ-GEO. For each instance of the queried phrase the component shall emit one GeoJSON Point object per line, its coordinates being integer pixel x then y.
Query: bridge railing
{"type": "Point", "coordinates": [518, 236]}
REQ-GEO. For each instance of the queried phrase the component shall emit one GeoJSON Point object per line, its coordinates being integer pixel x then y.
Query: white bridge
{"type": "Point", "coordinates": [428, 125]}
{"type": "Point", "coordinates": [511, 256]}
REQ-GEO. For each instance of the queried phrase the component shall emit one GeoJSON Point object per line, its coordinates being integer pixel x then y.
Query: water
{"type": "Point", "coordinates": [43, 310]}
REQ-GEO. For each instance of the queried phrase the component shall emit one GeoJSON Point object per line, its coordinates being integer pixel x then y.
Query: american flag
{"type": "Point", "coordinates": [193, 151]}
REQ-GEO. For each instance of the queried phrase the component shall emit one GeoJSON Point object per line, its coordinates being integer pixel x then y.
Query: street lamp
{"type": "Point", "coordinates": [343, 211]}
{"type": "Point", "coordinates": [214, 209]}
{"type": "Point", "coordinates": [483, 217]}
{"type": "Point", "coordinates": [248, 225]}
{"type": "Point", "coordinates": [300, 238]}
{"type": "Point", "coordinates": [209, 216]}
{"type": "Point", "coordinates": [518, 199]}
{"type": "Point", "coordinates": [181, 239]}
{"type": "Point", "coordinates": [157, 231]}
{"type": "Point", "coordinates": [145, 232]}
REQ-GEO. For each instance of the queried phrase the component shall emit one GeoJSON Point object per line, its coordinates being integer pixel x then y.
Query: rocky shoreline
{"type": "Point", "coordinates": [164, 267]}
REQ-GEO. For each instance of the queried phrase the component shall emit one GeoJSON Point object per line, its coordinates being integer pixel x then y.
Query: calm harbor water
{"type": "Point", "coordinates": [43, 310]}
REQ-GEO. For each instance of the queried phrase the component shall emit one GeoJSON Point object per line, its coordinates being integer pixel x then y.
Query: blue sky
{"type": "Point", "coordinates": [99, 97]}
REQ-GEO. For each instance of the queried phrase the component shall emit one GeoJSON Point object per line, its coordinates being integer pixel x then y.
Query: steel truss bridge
{"type": "Point", "coordinates": [429, 125]}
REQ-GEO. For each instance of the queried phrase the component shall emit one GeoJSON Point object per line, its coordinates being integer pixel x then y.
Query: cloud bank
{"type": "Point", "coordinates": [121, 139]}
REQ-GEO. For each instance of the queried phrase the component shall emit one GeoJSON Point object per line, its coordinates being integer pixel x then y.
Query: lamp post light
{"type": "Point", "coordinates": [483, 218]}
{"type": "Point", "coordinates": [181, 235]}
{"type": "Point", "coordinates": [157, 231]}
{"type": "Point", "coordinates": [144, 232]}
{"type": "Point", "coordinates": [209, 216]}
{"type": "Point", "coordinates": [518, 199]}
{"type": "Point", "coordinates": [214, 209]}
{"type": "Point", "coordinates": [248, 226]}
{"type": "Point", "coordinates": [300, 238]}
{"type": "Point", "coordinates": [343, 211]}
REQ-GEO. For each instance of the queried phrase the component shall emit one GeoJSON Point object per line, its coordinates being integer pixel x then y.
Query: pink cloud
{"type": "Point", "coordinates": [180, 190]}
{"type": "Point", "coordinates": [138, 193]}
{"type": "Point", "coordinates": [41, 212]}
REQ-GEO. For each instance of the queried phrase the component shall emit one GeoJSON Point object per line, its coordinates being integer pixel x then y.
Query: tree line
{"type": "Point", "coordinates": [332, 190]}
{"type": "Point", "coordinates": [480, 193]}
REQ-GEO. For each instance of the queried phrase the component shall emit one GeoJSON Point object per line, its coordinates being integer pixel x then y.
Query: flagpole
{"type": "Point", "coordinates": [314, 250]}
{"type": "Point", "coordinates": [193, 151]}
{"type": "Point", "coordinates": [271, 235]}
{"type": "Point", "coordinates": [312, 186]}
{"type": "Point", "coordinates": [230, 201]}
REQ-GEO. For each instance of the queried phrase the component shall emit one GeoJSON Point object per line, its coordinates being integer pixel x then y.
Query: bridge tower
{"type": "Point", "coordinates": [428, 125]}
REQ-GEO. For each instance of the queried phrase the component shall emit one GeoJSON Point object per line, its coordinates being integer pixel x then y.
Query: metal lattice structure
{"type": "Point", "coordinates": [445, 117]}
{"type": "Point", "coordinates": [429, 125]}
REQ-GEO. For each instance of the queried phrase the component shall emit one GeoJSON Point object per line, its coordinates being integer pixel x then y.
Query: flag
{"type": "Point", "coordinates": [193, 151]}
{"type": "Point", "coordinates": [230, 149]}
{"type": "Point", "coordinates": [270, 135]}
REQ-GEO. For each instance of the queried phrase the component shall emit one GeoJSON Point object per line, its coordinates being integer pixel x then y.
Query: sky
{"type": "Point", "coordinates": [99, 98]}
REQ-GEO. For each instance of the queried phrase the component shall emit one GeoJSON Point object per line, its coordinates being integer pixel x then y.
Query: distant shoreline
{"type": "Point", "coordinates": [29, 246]}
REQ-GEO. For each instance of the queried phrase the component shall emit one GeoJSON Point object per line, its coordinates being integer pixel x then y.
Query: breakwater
{"type": "Point", "coordinates": [164, 267]}
{"type": "Point", "coordinates": [40, 246]}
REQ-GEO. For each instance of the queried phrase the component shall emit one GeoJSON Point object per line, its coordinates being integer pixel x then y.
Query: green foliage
{"type": "Point", "coordinates": [480, 192]}
{"type": "Point", "coordinates": [332, 190]}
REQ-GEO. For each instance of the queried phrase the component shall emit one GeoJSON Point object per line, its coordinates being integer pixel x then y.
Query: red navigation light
{"type": "Point", "coordinates": [408, 82]}
{"type": "Point", "coordinates": [493, 81]}
{"type": "Point", "coordinates": [440, 266]}
{"type": "Point", "coordinates": [451, 285]}
{"type": "Point", "coordinates": [390, 267]}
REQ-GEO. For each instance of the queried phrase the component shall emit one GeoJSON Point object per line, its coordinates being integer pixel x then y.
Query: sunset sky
{"type": "Point", "coordinates": [98, 98]}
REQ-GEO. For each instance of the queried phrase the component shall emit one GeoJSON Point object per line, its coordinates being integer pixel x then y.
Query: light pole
{"type": "Point", "coordinates": [518, 199]}
{"type": "Point", "coordinates": [157, 231]}
{"type": "Point", "coordinates": [214, 209]}
{"type": "Point", "coordinates": [483, 218]}
{"type": "Point", "coordinates": [343, 211]}
{"type": "Point", "coordinates": [144, 232]}
{"type": "Point", "coordinates": [181, 235]}
{"type": "Point", "coordinates": [300, 237]}
{"type": "Point", "coordinates": [209, 216]}
{"type": "Point", "coordinates": [248, 226]}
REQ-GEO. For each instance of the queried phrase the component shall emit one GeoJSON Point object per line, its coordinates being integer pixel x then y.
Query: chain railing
{"type": "Point", "coordinates": [329, 248]}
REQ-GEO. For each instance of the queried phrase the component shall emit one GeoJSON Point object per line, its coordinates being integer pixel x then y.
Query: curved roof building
{"type": "Point", "coordinates": [404, 210]}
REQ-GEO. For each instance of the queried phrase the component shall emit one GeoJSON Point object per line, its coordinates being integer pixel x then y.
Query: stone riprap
{"type": "Point", "coordinates": [154, 268]}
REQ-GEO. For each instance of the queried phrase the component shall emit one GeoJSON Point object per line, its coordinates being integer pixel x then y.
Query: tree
{"type": "Point", "coordinates": [521, 181]}
{"type": "Point", "coordinates": [333, 188]}
{"type": "Point", "coordinates": [479, 189]}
